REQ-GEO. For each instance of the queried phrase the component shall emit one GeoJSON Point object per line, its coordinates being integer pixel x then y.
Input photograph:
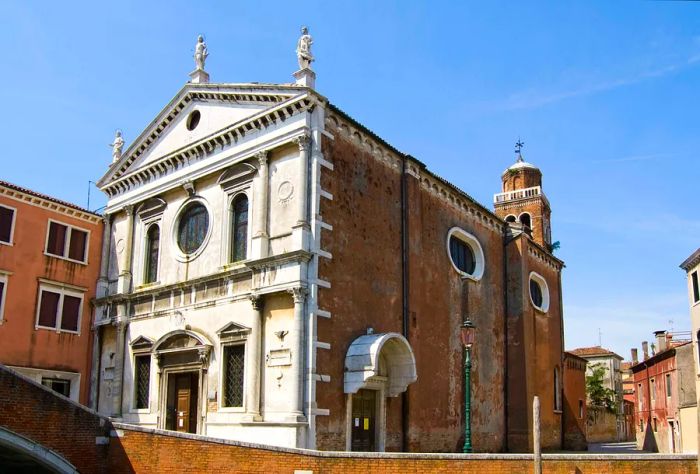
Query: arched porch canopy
{"type": "Point", "coordinates": [362, 362]}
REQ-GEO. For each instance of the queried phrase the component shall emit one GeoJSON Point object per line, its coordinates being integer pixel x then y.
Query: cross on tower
{"type": "Point", "coordinates": [518, 147]}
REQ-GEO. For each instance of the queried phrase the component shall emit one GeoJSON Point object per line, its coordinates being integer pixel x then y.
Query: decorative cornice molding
{"type": "Point", "coordinates": [48, 204]}
{"type": "Point", "coordinates": [534, 250]}
{"type": "Point", "coordinates": [431, 182]}
{"type": "Point", "coordinates": [198, 150]}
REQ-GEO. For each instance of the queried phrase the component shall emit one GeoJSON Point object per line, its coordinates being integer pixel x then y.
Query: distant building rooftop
{"type": "Point", "coordinates": [595, 351]}
{"type": "Point", "coordinates": [20, 189]}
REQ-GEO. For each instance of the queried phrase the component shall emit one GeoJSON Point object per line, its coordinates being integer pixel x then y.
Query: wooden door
{"type": "Point", "coordinates": [183, 406]}
{"type": "Point", "coordinates": [364, 407]}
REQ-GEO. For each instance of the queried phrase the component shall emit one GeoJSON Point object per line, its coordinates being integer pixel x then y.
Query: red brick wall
{"type": "Point", "coordinates": [52, 421]}
{"type": "Point", "coordinates": [70, 430]}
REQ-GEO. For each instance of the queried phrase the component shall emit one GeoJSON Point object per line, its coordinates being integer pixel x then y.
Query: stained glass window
{"type": "Point", "coordinates": [462, 255]}
{"type": "Point", "coordinates": [234, 359]}
{"type": "Point", "coordinates": [152, 248]}
{"type": "Point", "coordinates": [143, 376]}
{"type": "Point", "coordinates": [193, 227]}
{"type": "Point", "coordinates": [239, 245]}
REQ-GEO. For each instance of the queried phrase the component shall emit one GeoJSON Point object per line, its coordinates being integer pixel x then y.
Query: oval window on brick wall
{"type": "Point", "coordinates": [465, 253]}
{"type": "Point", "coordinates": [539, 292]}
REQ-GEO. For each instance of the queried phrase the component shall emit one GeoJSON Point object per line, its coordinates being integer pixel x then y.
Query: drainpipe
{"type": "Point", "coordinates": [404, 293]}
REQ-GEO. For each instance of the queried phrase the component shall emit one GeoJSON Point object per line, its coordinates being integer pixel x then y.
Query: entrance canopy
{"type": "Point", "coordinates": [362, 362]}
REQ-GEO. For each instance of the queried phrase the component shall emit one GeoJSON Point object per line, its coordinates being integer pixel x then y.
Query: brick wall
{"type": "Point", "coordinates": [72, 431]}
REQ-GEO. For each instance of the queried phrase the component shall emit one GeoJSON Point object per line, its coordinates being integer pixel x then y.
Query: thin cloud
{"type": "Point", "coordinates": [535, 99]}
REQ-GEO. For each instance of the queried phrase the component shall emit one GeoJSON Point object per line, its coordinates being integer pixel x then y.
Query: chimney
{"type": "Point", "coordinates": [660, 341]}
{"type": "Point", "coordinates": [645, 349]}
{"type": "Point", "coordinates": [635, 359]}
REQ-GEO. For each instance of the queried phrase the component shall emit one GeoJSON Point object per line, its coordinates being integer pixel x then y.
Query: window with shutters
{"type": "Point", "coordinates": [59, 309]}
{"type": "Point", "coordinates": [234, 370]}
{"type": "Point", "coordinates": [66, 241]}
{"type": "Point", "coordinates": [142, 378]}
{"type": "Point", "coordinates": [152, 250]}
{"type": "Point", "coordinates": [239, 228]}
{"type": "Point", "coordinates": [7, 224]}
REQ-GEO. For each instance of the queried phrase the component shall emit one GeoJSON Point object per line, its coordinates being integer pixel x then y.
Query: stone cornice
{"type": "Point", "coordinates": [50, 204]}
{"type": "Point", "coordinates": [340, 123]}
{"type": "Point", "coordinates": [237, 93]}
{"type": "Point", "coordinates": [691, 261]}
{"type": "Point", "coordinates": [222, 139]}
{"type": "Point", "coordinates": [266, 262]}
{"type": "Point", "coordinates": [537, 251]}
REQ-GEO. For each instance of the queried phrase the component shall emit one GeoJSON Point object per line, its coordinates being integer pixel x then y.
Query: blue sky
{"type": "Point", "coordinates": [604, 95]}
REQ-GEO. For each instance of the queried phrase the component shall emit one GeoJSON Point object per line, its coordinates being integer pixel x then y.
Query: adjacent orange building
{"type": "Point", "coordinates": [49, 265]}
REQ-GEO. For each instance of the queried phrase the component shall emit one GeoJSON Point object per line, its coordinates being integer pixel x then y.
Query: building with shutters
{"type": "Point", "coordinates": [49, 264]}
{"type": "Point", "coordinates": [275, 272]}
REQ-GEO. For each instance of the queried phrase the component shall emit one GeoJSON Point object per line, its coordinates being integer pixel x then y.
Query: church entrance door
{"type": "Point", "coordinates": [182, 400]}
{"type": "Point", "coordinates": [364, 410]}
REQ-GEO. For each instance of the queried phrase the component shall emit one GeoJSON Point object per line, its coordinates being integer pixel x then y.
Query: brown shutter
{"type": "Point", "coordinates": [78, 239]}
{"type": "Point", "coordinates": [48, 308]}
{"type": "Point", "coordinates": [57, 239]}
{"type": "Point", "coordinates": [5, 224]}
{"type": "Point", "coordinates": [71, 313]}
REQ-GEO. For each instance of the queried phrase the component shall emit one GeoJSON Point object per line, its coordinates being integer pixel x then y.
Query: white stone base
{"type": "Point", "coordinates": [305, 77]}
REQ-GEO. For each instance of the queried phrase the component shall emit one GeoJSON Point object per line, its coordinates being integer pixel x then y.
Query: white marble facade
{"type": "Point", "coordinates": [160, 345]}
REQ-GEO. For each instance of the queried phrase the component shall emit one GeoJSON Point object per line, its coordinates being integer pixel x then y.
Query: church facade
{"type": "Point", "coordinates": [274, 272]}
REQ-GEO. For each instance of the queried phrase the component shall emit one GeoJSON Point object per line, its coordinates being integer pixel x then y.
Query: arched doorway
{"type": "Point", "coordinates": [377, 366]}
{"type": "Point", "coordinates": [183, 362]}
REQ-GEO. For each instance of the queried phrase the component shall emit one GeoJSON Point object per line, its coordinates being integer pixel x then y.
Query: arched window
{"type": "Point", "coordinates": [525, 219]}
{"type": "Point", "coordinates": [510, 218]}
{"type": "Point", "coordinates": [152, 249]}
{"type": "Point", "coordinates": [239, 228]}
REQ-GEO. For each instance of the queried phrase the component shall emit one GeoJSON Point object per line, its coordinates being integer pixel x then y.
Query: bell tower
{"type": "Point", "coordinates": [523, 201]}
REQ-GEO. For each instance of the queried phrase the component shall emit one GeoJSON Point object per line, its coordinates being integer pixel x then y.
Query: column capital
{"type": "Point", "coordinates": [298, 293]}
{"type": "Point", "coordinates": [107, 219]}
{"type": "Point", "coordinates": [203, 353]}
{"type": "Point", "coordinates": [258, 302]}
{"type": "Point", "coordinates": [261, 156]}
{"type": "Point", "coordinates": [129, 209]}
{"type": "Point", "coordinates": [303, 142]}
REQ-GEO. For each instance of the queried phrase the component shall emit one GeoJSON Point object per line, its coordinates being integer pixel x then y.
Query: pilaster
{"type": "Point", "coordinates": [260, 240]}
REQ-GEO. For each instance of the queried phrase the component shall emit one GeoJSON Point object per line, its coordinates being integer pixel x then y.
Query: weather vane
{"type": "Point", "coordinates": [518, 147]}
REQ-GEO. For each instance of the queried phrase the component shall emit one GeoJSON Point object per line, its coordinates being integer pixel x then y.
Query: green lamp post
{"type": "Point", "coordinates": [468, 336]}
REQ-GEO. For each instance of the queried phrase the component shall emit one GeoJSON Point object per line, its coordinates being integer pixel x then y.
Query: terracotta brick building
{"type": "Point", "coordinates": [575, 411]}
{"type": "Point", "coordinates": [665, 404]}
{"type": "Point", "coordinates": [49, 263]}
{"type": "Point", "coordinates": [276, 272]}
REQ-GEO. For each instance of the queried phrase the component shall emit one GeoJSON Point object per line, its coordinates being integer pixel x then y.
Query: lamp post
{"type": "Point", "coordinates": [467, 335]}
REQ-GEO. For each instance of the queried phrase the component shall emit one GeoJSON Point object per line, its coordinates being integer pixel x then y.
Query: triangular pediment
{"type": "Point", "coordinates": [233, 330]}
{"type": "Point", "coordinates": [195, 122]}
{"type": "Point", "coordinates": [141, 343]}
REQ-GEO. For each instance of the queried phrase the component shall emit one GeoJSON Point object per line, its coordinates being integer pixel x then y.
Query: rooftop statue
{"type": "Point", "coordinates": [200, 53]}
{"type": "Point", "coordinates": [304, 49]}
{"type": "Point", "coordinates": [117, 146]}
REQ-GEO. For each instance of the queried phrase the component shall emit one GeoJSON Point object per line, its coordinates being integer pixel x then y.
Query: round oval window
{"type": "Point", "coordinates": [462, 255]}
{"type": "Point", "coordinates": [192, 227]}
{"type": "Point", "coordinates": [193, 120]}
{"type": "Point", "coordinates": [536, 293]}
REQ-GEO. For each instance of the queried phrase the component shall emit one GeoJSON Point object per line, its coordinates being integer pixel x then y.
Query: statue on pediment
{"type": "Point", "coordinates": [117, 146]}
{"type": "Point", "coordinates": [200, 53]}
{"type": "Point", "coordinates": [304, 49]}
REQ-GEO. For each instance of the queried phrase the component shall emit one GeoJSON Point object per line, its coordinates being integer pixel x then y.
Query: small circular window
{"type": "Point", "coordinates": [192, 227]}
{"type": "Point", "coordinates": [193, 120]}
{"type": "Point", "coordinates": [465, 253]}
{"type": "Point", "coordinates": [539, 292]}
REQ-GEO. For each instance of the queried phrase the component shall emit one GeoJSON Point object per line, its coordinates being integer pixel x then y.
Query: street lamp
{"type": "Point", "coordinates": [468, 336]}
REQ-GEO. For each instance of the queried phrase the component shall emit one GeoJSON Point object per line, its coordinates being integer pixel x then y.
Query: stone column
{"type": "Point", "coordinates": [124, 285]}
{"type": "Point", "coordinates": [296, 345]}
{"type": "Point", "coordinates": [95, 370]}
{"type": "Point", "coordinates": [255, 359]}
{"type": "Point", "coordinates": [103, 281]}
{"type": "Point", "coordinates": [118, 384]}
{"type": "Point", "coordinates": [262, 191]}
{"type": "Point", "coordinates": [303, 142]}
